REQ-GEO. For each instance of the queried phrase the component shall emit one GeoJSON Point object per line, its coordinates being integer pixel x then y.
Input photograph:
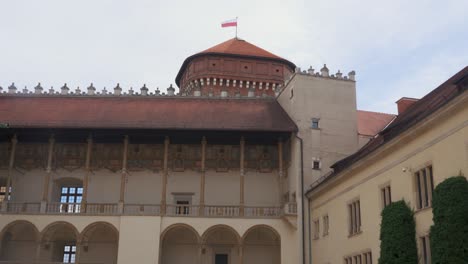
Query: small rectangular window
{"type": "Point", "coordinates": [425, 250]}
{"type": "Point", "coordinates": [69, 253]}
{"type": "Point", "coordinates": [386, 193]}
{"type": "Point", "coordinates": [325, 225]}
{"type": "Point", "coordinates": [424, 187]}
{"type": "Point", "coordinates": [354, 211]}
{"type": "Point", "coordinates": [315, 123]}
{"type": "Point", "coordinates": [367, 257]}
{"type": "Point", "coordinates": [316, 165]}
{"type": "Point", "coordinates": [316, 229]}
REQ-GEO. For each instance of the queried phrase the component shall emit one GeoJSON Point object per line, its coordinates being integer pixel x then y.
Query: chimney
{"type": "Point", "coordinates": [404, 103]}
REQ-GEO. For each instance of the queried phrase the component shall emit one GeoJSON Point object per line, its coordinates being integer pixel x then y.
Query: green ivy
{"type": "Point", "coordinates": [398, 235]}
{"type": "Point", "coordinates": [449, 234]}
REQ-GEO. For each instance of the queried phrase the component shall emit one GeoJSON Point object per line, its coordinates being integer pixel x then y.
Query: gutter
{"type": "Point", "coordinates": [302, 202]}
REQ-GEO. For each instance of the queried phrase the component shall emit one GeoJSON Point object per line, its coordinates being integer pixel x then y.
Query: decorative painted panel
{"type": "Point", "coordinates": [31, 155]}
{"type": "Point", "coordinates": [145, 156]}
{"type": "Point", "coordinates": [69, 156]}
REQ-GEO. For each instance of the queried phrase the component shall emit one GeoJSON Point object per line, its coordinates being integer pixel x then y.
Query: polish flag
{"type": "Point", "coordinates": [229, 23]}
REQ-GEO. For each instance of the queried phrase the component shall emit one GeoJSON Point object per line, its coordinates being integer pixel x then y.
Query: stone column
{"type": "Point", "coordinates": [123, 178]}
{"type": "Point", "coordinates": [89, 149]}
{"type": "Point", "coordinates": [242, 174]}
{"type": "Point", "coordinates": [45, 189]}
{"type": "Point", "coordinates": [165, 172]}
{"type": "Point", "coordinates": [202, 179]}
{"type": "Point", "coordinates": [241, 254]}
{"type": "Point", "coordinates": [14, 141]}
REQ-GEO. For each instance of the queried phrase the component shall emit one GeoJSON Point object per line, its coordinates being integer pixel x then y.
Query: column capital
{"type": "Point", "coordinates": [14, 139]}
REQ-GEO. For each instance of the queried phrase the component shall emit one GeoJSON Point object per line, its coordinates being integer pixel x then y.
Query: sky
{"type": "Point", "coordinates": [397, 47]}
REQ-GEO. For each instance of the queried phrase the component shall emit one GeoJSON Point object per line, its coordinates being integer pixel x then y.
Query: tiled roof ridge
{"type": "Point", "coordinates": [382, 113]}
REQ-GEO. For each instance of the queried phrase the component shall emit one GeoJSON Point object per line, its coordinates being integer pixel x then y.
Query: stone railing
{"type": "Point", "coordinates": [180, 210]}
{"type": "Point", "coordinates": [221, 211]}
{"type": "Point", "coordinates": [261, 212]}
{"type": "Point", "coordinates": [290, 208]}
{"type": "Point", "coordinates": [23, 208]}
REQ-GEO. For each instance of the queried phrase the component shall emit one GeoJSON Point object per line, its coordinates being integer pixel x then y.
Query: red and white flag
{"type": "Point", "coordinates": [229, 23]}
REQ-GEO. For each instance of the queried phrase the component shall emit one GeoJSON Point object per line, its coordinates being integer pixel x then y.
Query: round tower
{"type": "Point", "coordinates": [233, 68]}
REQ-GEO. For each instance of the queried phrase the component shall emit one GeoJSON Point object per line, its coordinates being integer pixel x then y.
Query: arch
{"type": "Point", "coordinates": [19, 241]}
{"type": "Point", "coordinates": [19, 222]}
{"type": "Point", "coordinates": [180, 225]}
{"type": "Point", "coordinates": [261, 245]}
{"type": "Point", "coordinates": [89, 230]}
{"type": "Point", "coordinates": [214, 228]}
{"type": "Point", "coordinates": [56, 238]}
{"type": "Point", "coordinates": [221, 242]}
{"type": "Point", "coordinates": [47, 232]}
{"type": "Point", "coordinates": [261, 226]}
{"type": "Point", "coordinates": [180, 243]}
{"type": "Point", "coordinates": [99, 243]}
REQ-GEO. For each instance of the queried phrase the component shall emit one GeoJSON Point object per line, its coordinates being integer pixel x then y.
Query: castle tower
{"type": "Point", "coordinates": [233, 68]}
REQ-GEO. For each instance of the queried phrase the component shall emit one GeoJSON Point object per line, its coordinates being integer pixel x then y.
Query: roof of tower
{"type": "Point", "coordinates": [235, 47]}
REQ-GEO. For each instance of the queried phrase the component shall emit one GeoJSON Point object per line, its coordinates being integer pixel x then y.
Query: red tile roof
{"type": "Point", "coordinates": [437, 98]}
{"type": "Point", "coordinates": [371, 123]}
{"type": "Point", "coordinates": [238, 48]}
{"type": "Point", "coordinates": [144, 113]}
{"type": "Point", "coordinates": [421, 109]}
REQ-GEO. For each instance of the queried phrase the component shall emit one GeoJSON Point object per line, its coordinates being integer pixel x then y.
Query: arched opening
{"type": "Point", "coordinates": [99, 244]}
{"type": "Point", "coordinates": [59, 243]}
{"type": "Point", "coordinates": [180, 245]}
{"type": "Point", "coordinates": [19, 242]}
{"type": "Point", "coordinates": [261, 245]}
{"type": "Point", "coordinates": [221, 245]}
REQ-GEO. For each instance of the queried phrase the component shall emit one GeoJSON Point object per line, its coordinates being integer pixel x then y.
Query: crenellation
{"type": "Point", "coordinates": [325, 73]}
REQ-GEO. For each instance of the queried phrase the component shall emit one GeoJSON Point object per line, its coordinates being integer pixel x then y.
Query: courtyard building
{"type": "Point", "coordinates": [216, 173]}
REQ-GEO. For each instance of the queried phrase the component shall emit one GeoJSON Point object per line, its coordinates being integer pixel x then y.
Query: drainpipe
{"type": "Point", "coordinates": [302, 202]}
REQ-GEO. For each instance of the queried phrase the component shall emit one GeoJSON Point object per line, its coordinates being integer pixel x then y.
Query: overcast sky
{"type": "Point", "coordinates": [397, 47]}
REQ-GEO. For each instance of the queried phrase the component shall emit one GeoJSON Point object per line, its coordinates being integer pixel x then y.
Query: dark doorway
{"type": "Point", "coordinates": [221, 259]}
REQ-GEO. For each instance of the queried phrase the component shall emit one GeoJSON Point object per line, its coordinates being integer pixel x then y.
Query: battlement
{"type": "Point", "coordinates": [325, 73]}
{"type": "Point", "coordinates": [144, 91]}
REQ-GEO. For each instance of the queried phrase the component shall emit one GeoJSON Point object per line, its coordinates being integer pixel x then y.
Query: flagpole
{"type": "Point", "coordinates": [236, 27]}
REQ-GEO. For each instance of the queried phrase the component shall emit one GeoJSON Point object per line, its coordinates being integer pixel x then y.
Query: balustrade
{"type": "Point", "coordinates": [142, 209]}
{"type": "Point", "coordinates": [230, 211]}
{"type": "Point", "coordinates": [23, 208]}
{"type": "Point", "coordinates": [221, 211]}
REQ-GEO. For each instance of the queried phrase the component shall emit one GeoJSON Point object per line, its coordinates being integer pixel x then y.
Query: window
{"type": "Point", "coordinates": [69, 252]}
{"type": "Point", "coordinates": [316, 229]}
{"type": "Point", "coordinates": [325, 225]}
{"type": "Point", "coordinates": [315, 123]}
{"type": "Point", "coordinates": [354, 210]}
{"type": "Point", "coordinates": [291, 95]}
{"type": "Point", "coordinates": [3, 193]}
{"type": "Point", "coordinates": [386, 193]}
{"type": "Point", "coordinates": [183, 202]}
{"type": "Point", "coordinates": [183, 207]}
{"type": "Point", "coordinates": [70, 199]}
{"type": "Point", "coordinates": [367, 257]}
{"type": "Point", "coordinates": [425, 250]}
{"type": "Point", "coordinates": [316, 164]}
{"type": "Point", "coordinates": [424, 187]}
{"type": "Point", "coordinates": [364, 258]}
